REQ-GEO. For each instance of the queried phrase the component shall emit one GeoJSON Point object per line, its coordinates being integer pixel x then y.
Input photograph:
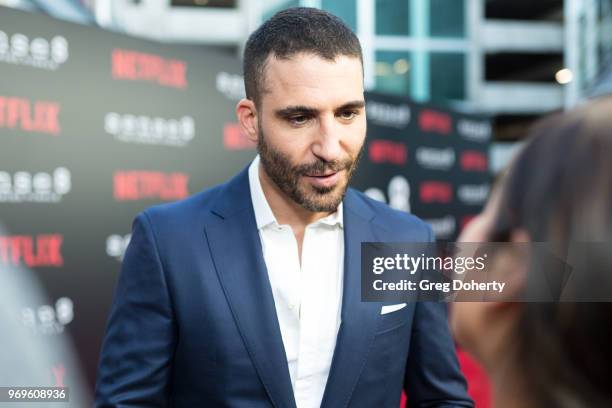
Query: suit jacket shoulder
{"type": "Point", "coordinates": [183, 216]}
{"type": "Point", "coordinates": [399, 224]}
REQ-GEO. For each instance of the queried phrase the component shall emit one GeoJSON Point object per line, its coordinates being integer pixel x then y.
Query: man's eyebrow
{"type": "Point", "coordinates": [351, 105]}
{"type": "Point", "coordinates": [305, 110]}
{"type": "Point", "coordinates": [293, 110]}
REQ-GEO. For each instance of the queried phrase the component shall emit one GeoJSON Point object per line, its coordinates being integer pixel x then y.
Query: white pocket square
{"type": "Point", "coordinates": [392, 308]}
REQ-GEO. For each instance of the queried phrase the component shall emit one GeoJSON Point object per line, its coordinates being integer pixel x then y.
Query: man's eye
{"type": "Point", "coordinates": [348, 115]}
{"type": "Point", "coordinates": [298, 120]}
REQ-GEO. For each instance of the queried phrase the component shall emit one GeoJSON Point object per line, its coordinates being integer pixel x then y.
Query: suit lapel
{"type": "Point", "coordinates": [359, 319]}
{"type": "Point", "coordinates": [235, 246]}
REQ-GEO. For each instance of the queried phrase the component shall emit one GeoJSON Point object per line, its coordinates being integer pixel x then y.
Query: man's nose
{"type": "Point", "coordinates": [327, 144]}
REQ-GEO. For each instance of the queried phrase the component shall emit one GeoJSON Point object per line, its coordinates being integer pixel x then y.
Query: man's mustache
{"type": "Point", "coordinates": [321, 167]}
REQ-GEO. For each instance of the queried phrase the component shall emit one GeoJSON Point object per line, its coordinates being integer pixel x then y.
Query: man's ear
{"type": "Point", "coordinates": [246, 112]}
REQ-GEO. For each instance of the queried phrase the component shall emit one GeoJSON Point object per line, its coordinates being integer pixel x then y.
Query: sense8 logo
{"type": "Point", "coordinates": [37, 52]}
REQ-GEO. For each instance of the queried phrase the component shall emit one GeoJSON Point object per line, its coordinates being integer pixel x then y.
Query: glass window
{"type": "Point", "coordinates": [200, 3]}
{"type": "Point", "coordinates": [447, 18]}
{"type": "Point", "coordinates": [447, 76]}
{"type": "Point", "coordinates": [345, 9]}
{"type": "Point", "coordinates": [393, 72]}
{"type": "Point", "coordinates": [276, 6]}
{"type": "Point", "coordinates": [392, 17]}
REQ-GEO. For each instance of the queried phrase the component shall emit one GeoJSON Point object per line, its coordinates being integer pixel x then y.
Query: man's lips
{"type": "Point", "coordinates": [322, 175]}
{"type": "Point", "coordinates": [328, 179]}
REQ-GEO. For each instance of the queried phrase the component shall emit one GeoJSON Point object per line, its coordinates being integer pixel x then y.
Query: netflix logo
{"type": "Point", "coordinates": [387, 151]}
{"type": "Point", "coordinates": [137, 66]}
{"type": "Point", "coordinates": [472, 160]}
{"type": "Point", "coordinates": [156, 185]}
{"type": "Point", "coordinates": [436, 192]}
{"type": "Point", "coordinates": [43, 250]}
{"type": "Point", "coordinates": [435, 122]}
{"type": "Point", "coordinates": [27, 116]}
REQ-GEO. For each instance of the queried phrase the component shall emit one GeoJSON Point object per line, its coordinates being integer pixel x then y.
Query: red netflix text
{"type": "Point", "coordinates": [436, 122]}
{"type": "Point", "coordinates": [436, 192]}
{"type": "Point", "coordinates": [138, 66]}
{"type": "Point", "coordinates": [25, 250]}
{"type": "Point", "coordinates": [387, 151]}
{"type": "Point", "coordinates": [472, 160]}
{"type": "Point", "coordinates": [235, 139]}
{"type": "Point", "coordinates": [138, 185]}
{"type": "Point", "coordinates": [27, 116]}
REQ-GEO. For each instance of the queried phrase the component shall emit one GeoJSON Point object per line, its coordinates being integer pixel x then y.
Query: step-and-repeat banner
{"type": "Point", "coordinates": [425, 160]}
{"type": "Point", "coordinates": [96, 126]}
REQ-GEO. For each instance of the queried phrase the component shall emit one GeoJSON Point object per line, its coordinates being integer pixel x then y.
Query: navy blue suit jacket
{"type": "Point", "coordinates": [193, 321]}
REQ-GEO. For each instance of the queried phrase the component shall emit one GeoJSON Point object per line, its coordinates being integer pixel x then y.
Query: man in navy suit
{"type": "Point", "coordinates": [248, 294]}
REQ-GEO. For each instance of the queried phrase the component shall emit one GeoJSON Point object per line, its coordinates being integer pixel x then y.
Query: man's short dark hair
{"type": "Point", "coordinates": [293, 31]}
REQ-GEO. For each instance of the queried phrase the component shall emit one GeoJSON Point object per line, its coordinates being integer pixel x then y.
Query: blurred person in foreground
{"type": "Point", "coordinates": [249, 294]}
{"type": "Point", "coordinates": [558, 190]}
{"type": "Point", "coordinates": [30, 356]}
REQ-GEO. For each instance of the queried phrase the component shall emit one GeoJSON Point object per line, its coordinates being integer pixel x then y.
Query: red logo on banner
{"type": "Point", "coordinates": [20, 113]}
{"type": "Point", "coordinates": [434, 121]}
{"type": "Point", "coordinates": [386, 151]}
{"type": "Point", "coordinates": [138, 66]}
{"type": "Point", "coordinates": [472, 160]}
{"type": "Point", "coordinates": [138, 185]}
{"type": "Point", "coordinates": [436, 192]}
{"type": "Point", "coordinates": [42, 250]}
{"type": "Point", "coordinates": [235, 139]}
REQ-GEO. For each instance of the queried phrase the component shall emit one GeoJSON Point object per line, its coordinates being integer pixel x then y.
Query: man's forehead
{"type": "Point", "coordinates": [308, 79]}
{"type": "Point", "coordinates": [310, 65]}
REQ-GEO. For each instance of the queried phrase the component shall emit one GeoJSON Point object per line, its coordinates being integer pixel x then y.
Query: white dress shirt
{"type": "Point", "coordinates": [307, 297]}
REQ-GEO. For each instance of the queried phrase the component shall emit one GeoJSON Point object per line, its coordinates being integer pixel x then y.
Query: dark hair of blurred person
{"type": "Point", "coordinates": [559, 189]}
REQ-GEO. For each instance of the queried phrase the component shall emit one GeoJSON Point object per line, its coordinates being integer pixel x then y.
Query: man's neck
{"type": "Point", "coordinates": [285, 210]}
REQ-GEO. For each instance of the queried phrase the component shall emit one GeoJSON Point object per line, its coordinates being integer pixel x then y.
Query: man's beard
{"type": "Point", "coordinates": [287, 177]}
